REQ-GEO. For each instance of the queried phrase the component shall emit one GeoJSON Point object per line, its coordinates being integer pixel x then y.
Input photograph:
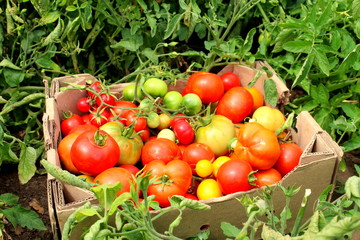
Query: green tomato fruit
{"type": "Point", "coordinates": [192, 104]}
{"type": "Point", "coordinates": [129, 93]}
{"type": "Point", "coordinates": [155, 87]}
{"type": "Point", "coordinates": [172, 100]}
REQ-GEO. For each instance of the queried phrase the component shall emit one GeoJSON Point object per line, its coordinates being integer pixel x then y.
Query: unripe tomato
{"type": "Point", "coordinates": [128, 93]}
{"type": "Point", "coordinates": [204, 168]}
{"type": "Point", "coordinates": [270, 118]}
{"type": "Point", "coordinates": [208, 188]}
{"type": "Point", "coordinates": [172, 100]}
{"type": "Point", "coordinates": [155, 87]}
{"type": "Point", "coordinates": [192, 104]}
{"type": "Point", "coordinates": [167, 133]}
{"type": "Point", "coordinates": [165, 121]}
{"type": "Point", "coordinates": [153, 120]}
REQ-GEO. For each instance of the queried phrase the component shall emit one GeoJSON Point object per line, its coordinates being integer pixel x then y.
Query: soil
{"type": "Point", "coordinates": [33, 195]}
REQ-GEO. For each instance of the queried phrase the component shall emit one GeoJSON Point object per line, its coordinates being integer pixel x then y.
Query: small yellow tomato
{"type": "Point", "coordinates": [204, 168]}
{"type": "Point", "coordinates": [167, 133]}
{"type": "Point", "coordinates": [88, 178]}
{"type": "Point", "coordinates": [164, 121]}
{"type": "Point", "coordinates": [218, 162]}
{"type": "Point", "coordinates": [208, 188]}
{"type": "Point", "coordinates": [270, 118]}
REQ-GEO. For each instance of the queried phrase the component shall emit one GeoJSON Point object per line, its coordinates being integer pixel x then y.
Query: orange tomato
{"type": "Point", "coordinates": [64, 152]}
{"type": "Point", "coordinates": [257, 97]}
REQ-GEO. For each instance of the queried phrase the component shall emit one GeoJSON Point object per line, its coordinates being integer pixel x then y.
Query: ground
{"type": "Point", "coordinates": [34, 195]}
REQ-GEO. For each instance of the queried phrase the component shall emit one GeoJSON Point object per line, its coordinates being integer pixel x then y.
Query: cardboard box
{"type": "Point", "coordinates": [316, 171]}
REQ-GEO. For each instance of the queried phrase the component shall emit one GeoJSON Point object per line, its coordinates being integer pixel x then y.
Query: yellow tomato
{"type": "Point", "coordinates": [270, 118]}
{"type": "Point", "coordinates": [204, 168]}
{"type": "Point", "coordinates": [257, 97]}
{"type": "Point", "coordinates": [208, 188]}
{"type": "Point", "coordinates": [164, 121]}
{"type": "Point", "coordinates": [218, 162]}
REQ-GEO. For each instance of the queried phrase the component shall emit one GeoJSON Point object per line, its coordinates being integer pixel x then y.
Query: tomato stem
{"type": "Point", "coordinates": [100, 138]}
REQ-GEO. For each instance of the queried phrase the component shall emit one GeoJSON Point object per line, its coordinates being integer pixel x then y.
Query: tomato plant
{"type": "Point", "coordinates": [216, 133]}
{"type": "Point", "coordinates": [230, 80]}
{"type": "Point", "coordinates": [236, 104]}
{"type": "Point", "coordinates": [257, 145]}
{"type": "Point", "coordinates": [196, 152]}
{"type": "Point", "coordinates": [289, 158]}
{"type": "Point", "coordinates": [94, 151]}
{"type": "Point", "coordinates": [114, 175]}
{"type": "Point", "coordinates": [160, 149]}
{"type": "Point", "coordinates": [233, 176]}
{"type": "Point", "coordinates": [208, 86]}
{"type": "Point", "coordinates": [71, 121]}
{"type": "Point", "coordinates": [267, 177]}
{"type": "Point", "coordinates": [171, 178]}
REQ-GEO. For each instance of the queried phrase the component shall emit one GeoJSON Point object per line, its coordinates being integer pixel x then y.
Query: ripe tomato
{"type": "Point", "coordinates": [270, 118]}
{"type": "Point", "coordinates": [86, 118]}
{"type": "Point", "coordinates": [64, 152]}
{"type": "Point", "coordinates": [289, 158]}
{"type": "Point", "coordinates": [208, 86]}
{"type": "Point", "coordinates": [216, 134]}
{"type": "Point", "coordinates": [230, 80]}
{"type": "Point", "coordinates": [173, 178]}
{"type": "Point", "coordinates": [267, 177]}
{"type": "Point", "coordinates": [236, 104]}
{"type": "Point", "coordinates": [145, 134]}
{"type": "Point", "coordinates": [176, 118]}
{"type": "Point", "coordinates": [83, 104]}
{"type": "Point", "coordinates": [105, 100]}
{"type": "Point", "coordinates": [196, 152]}
{"type": "Point", "coordinates": [165, 121]}
{"type": "Point", "coordinates": [233, 176]}
{"type": "Point", "coordinates": [155, 87]}
{"type": "Point", "coordinates": [132, 118]}
{"type": "Point", "coordinates": [257, 97]}
{"type": "Point", "coordinates": [204, 168]}
{"type": "Point", "coordinates": [208, 188]}
{"type": "Point", "coordinates": [99, 117]}
{"type": "Point", "coordinates": [160, 149]}
{"type": "Point", "coordinates": [257, 145]}
{"type": "Point", "coordinates": [122, 107]}
{"type": "Point", "coordinates": [191, 196]}
{"type": "Point", "coordinates": [184, 133]}
{"type": "Point", "coordinates": [94, 87]}
{"type": "Point", "coordinates": [218, 162]}
{"type": "Point", "coordinates": [94, 151]}
{"type": "Point", "coordinates": [133, 169]}
{"type": "Point", "coordinates": [83, 128]}
{"type": "Point", "coordinates": [71, 121]}
{"type": "Point", "coordinates": [114, 175]}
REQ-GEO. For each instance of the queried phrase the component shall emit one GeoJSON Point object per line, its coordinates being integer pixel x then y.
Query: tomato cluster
{"type": "Point", "coordinates": [212, 138]}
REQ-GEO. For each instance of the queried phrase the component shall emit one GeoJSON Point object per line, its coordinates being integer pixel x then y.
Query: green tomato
{"type": "Point", "coordinates": [217, 134]}
{"type": "Point", "coordinates": [146, 105]}
{"type": "Point", "coordinates": [153, 120]}
{"type": "Point", "coordinates": [155, 87]}
{"type": "Point", "coordinates": [130, 149]}
{"type": "Point", "coordinates": [192, 104]}
{"type": "Point", "coordinates": [129, 92]}
{"type": "Point", "coordinates": [265, 36]}
{"type": "Point", "coordinates": [172, 100]}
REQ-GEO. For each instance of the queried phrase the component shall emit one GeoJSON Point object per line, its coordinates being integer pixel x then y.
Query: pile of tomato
{"type": "Point", "coordinates": [212, 138]}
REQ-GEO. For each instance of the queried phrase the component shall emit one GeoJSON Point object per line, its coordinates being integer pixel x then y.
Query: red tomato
{"type": "Point", "coordinates": [70, 122]}
{"type": "Point", "coordinates": [175, 179]}
{"type": "Point", "coordinates": [233, 176]}
{"type": "Point", "coordinates": [86, 118]}
{"type": "Point", "coordinates": [145, 134]}
{"type": "Point", "coordinates": [99, 117]}
{"type": "Point", "coordinates": [114, 175]}
{"type": "Point", "coordinates": [83, 128]}
{"type": "Point", "coordinates": [236, 104]}
{"type": "Point", "coordinates": [184, 133]}
{"type": "Point", "coordinates": [208, 86]}
{"type": "Point", "coordinates": [133, 169]}
{"type": "Point", "coordinates": [122, 107]}
{"type": "Point", "coordinates": [177, 118]}
{"type": "Point", "coordinates": [64, 152]}
{"type": "Point", "coordinates": [83, 104]}
{"type": "Point", "coordinates": [230, 80]}
{"type": "Point", "coordinates": [107, 99]}
{"type": "Point", "coordinates": [94, 87]}
{"type": "Point", "coordinates": [289, 158]}
{"type": "Point", "coordinates": [94, 151]}
{"type": "Point", "coordinates": [267, 177]}
{"type": "Point", "coordinates": [257, 145]}
{"type": "Point", "coordinates": [191, 196]}
{"type": "Point", "coordinates": [160, 149]}
{"type": "Point", "coordinates": [196, 152]}
{"type": "Point", "coordinates": [140, 122]}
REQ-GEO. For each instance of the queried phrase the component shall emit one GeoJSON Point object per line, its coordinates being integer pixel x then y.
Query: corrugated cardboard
{"type": "Point", "coordinates": [316, 170]}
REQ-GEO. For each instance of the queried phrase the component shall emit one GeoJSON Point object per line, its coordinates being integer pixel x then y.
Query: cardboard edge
{"type": "Point", "coordinates": [54, 223]}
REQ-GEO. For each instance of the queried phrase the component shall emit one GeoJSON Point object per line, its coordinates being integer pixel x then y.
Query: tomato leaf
{"type": "Point", "coordinates": [298, 46]}
{"type": "Point", "coordinates": [271, 234]}
{"type": "Point", "coordinates": [229, 230]}
{"type": "Point", "coordinates": [271, 94]}
{"type": "Point", "coordinates": [9, 199]}
{"type": "Point", "coordinates": [352, 144]}
{"type": "Point", "coordinates": [27, 166]}
{"type": "Point", "coordinates": [106, 193]}
{"type": "Point", "coordinates": [118, 201]}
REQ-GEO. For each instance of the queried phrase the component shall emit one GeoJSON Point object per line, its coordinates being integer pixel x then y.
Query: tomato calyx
{"type": "Point", "coordinates": [100, 138]}
{"type": "Point", "coordinates": [232, 144]}
{"type": "Point", "coordinates": [67, 115]}
{"type": "Point", "coordinates": [252, 178]}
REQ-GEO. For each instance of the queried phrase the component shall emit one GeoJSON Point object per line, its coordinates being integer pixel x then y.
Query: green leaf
{"type": "Point", "coordinates": [271, 93]}
{"type": "Point", "coordinates": [94, 230]}
{"type": "Point", "coordinates": [46, 62]}
{"type": "Point", "coordinates": [335, 39]}
{"type": "Point", "coordinates": [18, 215]}
{"type": "Point", "coordinates": [352, 144]}
{"type": "Point", "coordinates": [270, 234]}
{"type": "Point", "coordinates": [151, 55]}
{"type": "Point", "coordinates": [27, 166]}
{"type": "Point", "coordinates": [50, 17]}
{"type": "Point", "coordinates": [129, 42]}
{"type": "Point", "coordinates": [172, 26]}
{"type": "Point", "coordinates": [355, 8]}
{"type": "Point", "coordinates": [305, 68]}
{"type": "Point", "coordinates": [320, 94]}
{"type": "Point", "coordinates": [298, 46]}
{"type": "Point", "coordinates": [245, 48]}
{"type": "Point", "coordinates": [9, 199]}
{"type": "Point", "coordinates": [183, 202]}
{"type": "Point", "coordinates": [351, 110]}
{"type": "Point", "coordinates": [106, 193]}
{"type": "Point", "coordinates": [118, 201]}
{"type": "Point", "coordinates": [7, 63]}
{"type": "Point", "coordinates": [7, 153]}
{"type": "Point", "coordinates": [322, 61]}
{"type": "Point", "coordinates": [13, 77]}
{"type": "Point", "coordinates": [283, 37]}
{"type": "Point", "coordinates": [229, 230]}
{"type": "Point", "coordinates": [324, 17]}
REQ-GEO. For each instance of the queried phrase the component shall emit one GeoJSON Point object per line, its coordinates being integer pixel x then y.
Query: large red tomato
{"type": "Point", "coordinates": [267, 177]}
{"type": "Point", "coordinates": [196, 152]}
{"type": "Point", "coordinates": [236, 104]}
{"type": "Point", "coordinates": [159, 149]}
{"type": "Point", "coordinates": [114, 175]}
{"type": "Point", "coordinates": [94, 151]}
{"type": "Point", "coordinates": [172, 178]}
{"type": "Point", "coordinates": [208, 86]}
{"type": "Point", "coordinates": [290, 154]}
{"type": "Point", "coordinates": [233, 176]}
{"type": "Point", "coordinates": [257, 145]}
